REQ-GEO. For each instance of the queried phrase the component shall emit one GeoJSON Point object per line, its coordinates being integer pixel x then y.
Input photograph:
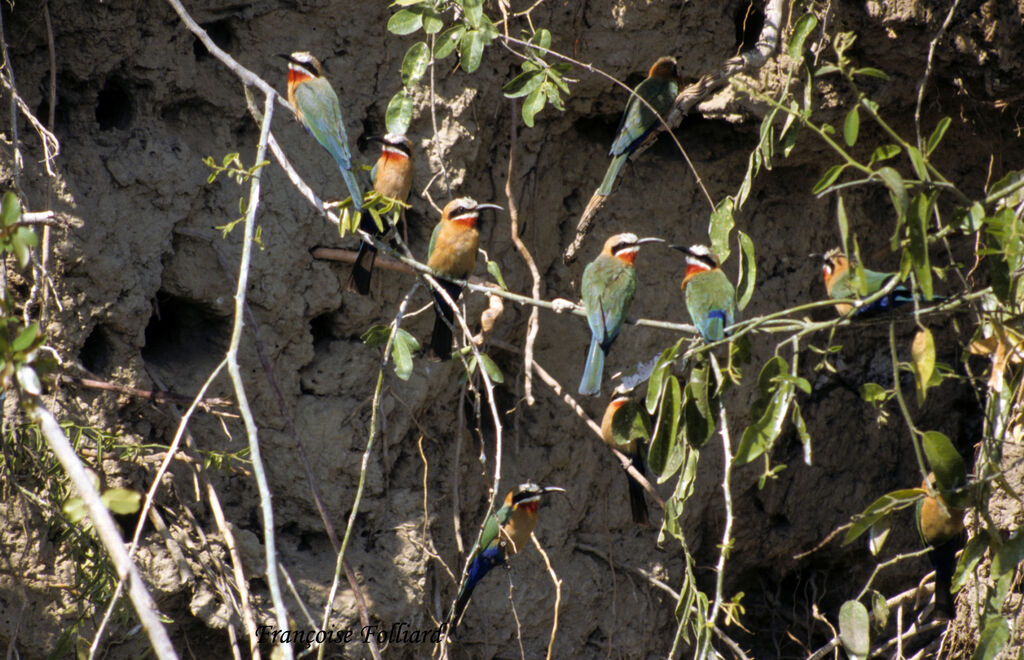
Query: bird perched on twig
{"type": "Point", "coordinates": [506, 533]}
{"type": "Point", "coordinates": [619, 431]}
{"type": "Point", "coordinates": [942, 529]}
{"type": "Point", "coordinates": [608, 285]}
{"type": "Point", "coordinates": [316, 105]}
{"type": "Point", "coordinates": [659, 90]}
{"type": "Point", "coordinates": [452, 253]}
{"type": "Point", "coordinates": [392, 177]}
{"type": "Point", "coordinates": [710, 296]}
{"type": "Point", "coordinates": [841, 282]}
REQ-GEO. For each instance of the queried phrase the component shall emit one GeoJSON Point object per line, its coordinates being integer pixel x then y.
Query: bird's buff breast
{"type": "Point", "coordinates": [455, 252]}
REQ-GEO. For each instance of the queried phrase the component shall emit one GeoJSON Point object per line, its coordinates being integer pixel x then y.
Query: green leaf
{"type": "Point", "coordinates": [75, 509]}
{"type": "Point", "coordinates": [25, 338]}
{"type": "Point", "coordinates": [748, 271]}
{"type": "Point", "coordinates": [542, 38]}
{"type": "Point", "coordinates": [969, 559]}
{"type": "Point", "coordinates": [492, 370]}
{"type": "Point", "coordinates": [446, 43]}
{"type": "Point", "coordinates": [495, 270]}
{"type": "Point", "coordinates": [897, 190]}
{"type": "Point", "coordinates": [993, 638]}
{"type": "Point", "coordinates": [698, 417]}
{"type": "Point", "coordinates": [655, 384]}
{"type": "Point", "coordinates": [945, 461]}
{"type": "Point", "coordinates": [10, 209]}
{"type": "Point", "coordinates": [398, 116]}
{"type": "Point", "coordinates": [844, 224]}
{"type": "Point", "coordinates": [666, 429]}
{"type": "Point", "coordinates": [471, 50]}
{"type": "Point", "coordinates": [877, 534]}
{"type": "Point", "coordinates": [523, 84]}
{"type": "Point", "coordinates": [917, 223]}
{"type": "Point", "coordinates": [830, 176]}
{"type": "Point", "coordinates": [415, 63]}
{"type": "Point", "coordinates": [854, 629]}
{"type": "Point", "coordinates": [405, 21]}
{"type": "Point", "coordinates": [406, 3]}
{"type": "Point", "coordinates": [533, 104]}
{"type": "Point", "coordinates": [402, 348]}
{"type": "Point", "coordinates": [721, 225]}
{"type": "Point", "coordinates": [474, 10]}
{"type": "Point", "coordinates": [879, 611]}
{"type": "Point", "coordinates": [871, 71]}
{"type": "Point", "coordinates": [873, 393]}
{"type": "Point", "coordinates": [28, 379]}
{"type": "Point", "coordinates": [936, 137]}
{"type": "Point", "coordinates": [803, 28]}
{"type": "Point", "coordinates": [883, 506]}
{"type": "Point", "coordinates": [918, 162]}
{"type": "Point", "coordinates": [922, 351]}
{"type": "Point", "coordinates": [121, 501]}
{"type": "Point", "coordinates": [376, 336]}
{"type": "Point", "coordinates": [801, 430]}
{"type": "Point", "coordinates": [851, 127]}
{"type": "Point", "coordinates": [884, 152]}
{"type": "Point", "coordinates": [432, 22]}
{"type": "Point", "coordinates": [826, 69]}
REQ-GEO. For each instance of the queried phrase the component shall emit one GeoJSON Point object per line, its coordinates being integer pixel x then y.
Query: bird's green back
{"type": "Point", "coordinates": [608, 287]}
{"type": "Point", "coordinates": [638, 119]}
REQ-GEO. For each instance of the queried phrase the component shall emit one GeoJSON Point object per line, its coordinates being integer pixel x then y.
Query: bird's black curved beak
{"type": "Point", "coordinates": [552, 489]}
{"type": "Point", "coordinates": [681, 248]}
{"type": "Point", "coordinates": [650, 239]}
{"type": "Point", "coordinates": [496, 208]}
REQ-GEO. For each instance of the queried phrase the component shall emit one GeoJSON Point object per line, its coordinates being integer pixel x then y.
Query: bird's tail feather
{"type": "Point", "coordinates": [441, 338]}
{"type": "Point", "coordinates": [637, 502]}
{"type": "Point", "coordinates": [714, 326]}
{"type": "Point", "coordinates": [362, 269]}
{"type": "Point", "coordinates": [353, 186]}
{"type": "Point", "coordinates": [613, 172]}
{"type": "Point", "coordinates": [593, 369]}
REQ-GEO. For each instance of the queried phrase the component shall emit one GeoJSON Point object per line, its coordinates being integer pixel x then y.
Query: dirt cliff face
{"type": "Point", "coordinates": [146, 283]}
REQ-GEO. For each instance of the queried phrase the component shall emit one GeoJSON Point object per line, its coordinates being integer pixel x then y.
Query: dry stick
{"type": "Point", "coordinates": [236, 378]}
{"type": "Point", "coordinates": [532, 326]}
{"type": "Point", "coordinates": [147, 503]}
{"type": "Point", "coordinates": [50, 120]}
{"type": "Point", "coordinates": [723, 429]}
{"type": "Point", "coordinates": [928, 73]}
{"type": "Point", "coordinates": [107, 531]}
{"type": "Point", "coordinates": [558, 592]}
{"type": "Point", "coordinates": [556, 387]}
{"type": "Point", "coordinates": [339, 563]}
{"type": "Point", "coordinates": [687, 98]}
{"type": "Point", "coordinates": [156, 396]}
{"type": "Point", "coordinates": [559, 305]}
{"type": "Point", "coordinates": [658, 584]}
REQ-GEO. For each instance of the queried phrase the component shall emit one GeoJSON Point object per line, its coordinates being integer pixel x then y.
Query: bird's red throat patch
{"type": "Point", "coordinates": [297, 75]}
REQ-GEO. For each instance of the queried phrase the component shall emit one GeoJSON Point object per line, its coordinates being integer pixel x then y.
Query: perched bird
{"type": "Point", "coordinates": [659, 89]}
{"type": "Point", "coordinates": [452, 253]}
{"type": "Point", "coordinates": [392, 177]}
{"type": "Point", "coordinates": [942, 529]}
{"type": "Point", "coordinates": [617, 430]}
{"type": "Point", "coordinates": [608, 285]}
{"type": "Point", "coordinates": [316, 105]}
{"type": "Point", "coordinates": [710, 296]}
{"type": "Point", "coordinates": [507, 532]}
{"type": "Point", "coordinates": [841, 283]}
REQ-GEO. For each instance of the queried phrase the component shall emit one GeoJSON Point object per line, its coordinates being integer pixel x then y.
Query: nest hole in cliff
{"type": "Point", "coordinates": [114, 105]}
{"type": "Point", "coordinates": [96, 351]}
{"type": "Point", "coordinates": [221, 34]}
{"type": "Point", "coordinates": [748, 20]}
{"type": "Point", "coordinates": [184, 335]}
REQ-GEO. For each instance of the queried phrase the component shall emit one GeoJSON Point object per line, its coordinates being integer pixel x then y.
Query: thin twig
{"type": "Point", "coordinates": [558, 592]}
{"type": "Point", "coordinates": [928, 72]}
{"type": "Point", "coordinates": [106, 529]}
{"type": "Point", "coordinates": [157, 396]}
{"type": "Point", "coordinates": [532, 325]}
{"type": "Point", "coordinates": [269, 540]}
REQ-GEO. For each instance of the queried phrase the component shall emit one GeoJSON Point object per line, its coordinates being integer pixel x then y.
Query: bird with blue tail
{"type": "Point", "coordinates": [608, 286]}
{"type": "Point", "coordinates": [942, 529]}
{"type": "Point", "coordinates": [659, 90]}
{"type": "Point", "coordinates": [710, 296]}
{"type": "Point", "coordinates": [841, 282]}
{"type": "Point", "coordinates": [316, 105]}
{"type": "Point", "coordinates": [622, 428]}
{"type": "Point", "coordinates": [506, 533]}
{"type": "Point", "coordinates": [452, 253]}
{"type": "Point", "coordinates": [392, 177]}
